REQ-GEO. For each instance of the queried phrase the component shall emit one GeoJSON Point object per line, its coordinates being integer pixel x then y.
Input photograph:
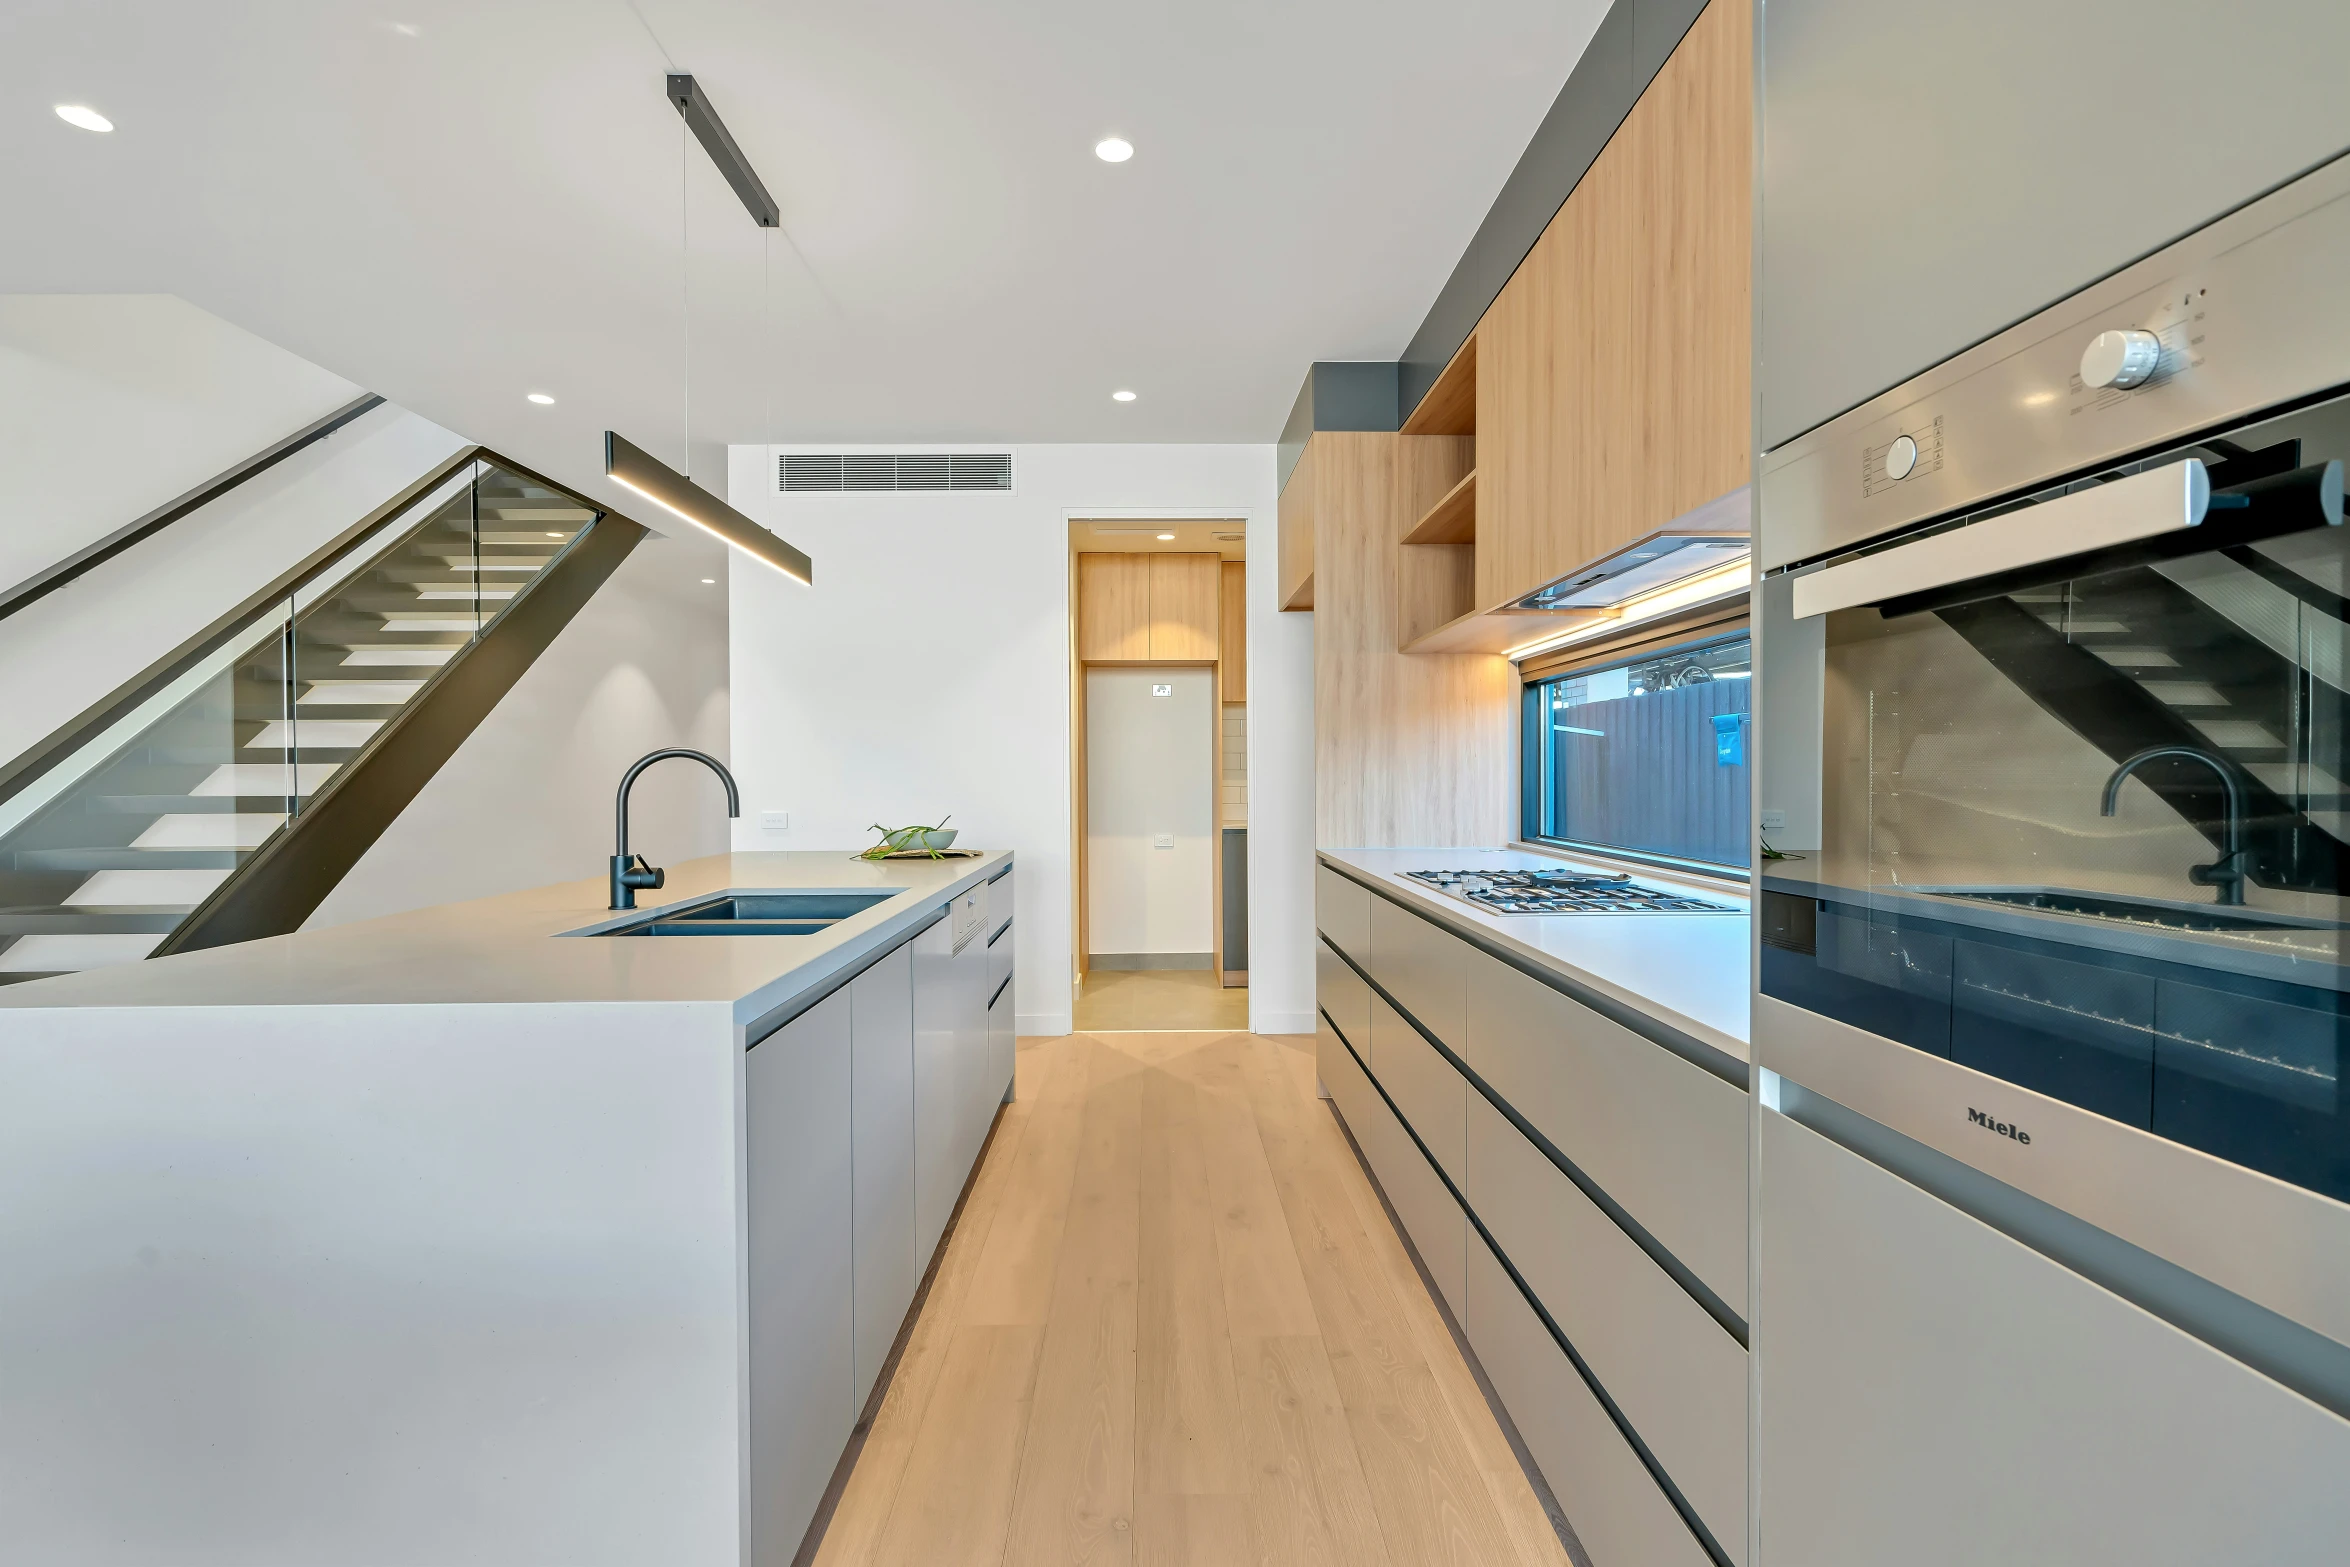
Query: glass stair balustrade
{"type": "Point", "coordinates": [154, 817]}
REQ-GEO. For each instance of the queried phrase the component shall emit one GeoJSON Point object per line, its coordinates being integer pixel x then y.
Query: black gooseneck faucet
{"type": "Point", "coordinates": [2227, 872]}
{"type": "Point", "coordinates": [629, 871]}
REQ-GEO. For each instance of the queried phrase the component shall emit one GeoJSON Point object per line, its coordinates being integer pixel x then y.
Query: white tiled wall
{"type": "Point", "coordinates": [1235, 782]}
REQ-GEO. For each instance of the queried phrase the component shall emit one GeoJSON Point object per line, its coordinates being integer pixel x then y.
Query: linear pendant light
{"type": "Point", "coordinates": [711, 132]}
{"type": "Point", "coordinates": [628, 464]}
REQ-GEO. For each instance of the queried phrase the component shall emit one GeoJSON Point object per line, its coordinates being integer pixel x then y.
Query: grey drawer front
{"type": "Point", "coordinates": [1427, 1210]}
{"type": "Point", "coordinates": [1340, 1073]}
{"type": "Point", "coordinates": [1340, 991]}
{"type": "Point", "coordinates": [1664, 1139]}
{"type": "Point", "coordinates": [999, 900]}
{"type": "Point", "coordinates": [1420, 964]}
{"type": "Point", "coordinates": [1676, 1374]}
{"type": "Point", "coordinates": [1427, 1089]}
{"type": "Point", "coordinates": [1342, 912]}
{"type": "Point", "coordinates": [999, 955]}
{"type": "Point", "coordinates": [1617, 1511]}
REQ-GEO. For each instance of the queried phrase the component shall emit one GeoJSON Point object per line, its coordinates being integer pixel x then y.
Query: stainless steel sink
{"type": "Point", "coordinates": [2198, 917]}
{"type": "Point", "coordinates": [752, 914]}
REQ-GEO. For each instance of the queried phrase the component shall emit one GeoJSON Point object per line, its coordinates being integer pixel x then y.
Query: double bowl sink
{"type": "Point", "coordinates": [749, 914]}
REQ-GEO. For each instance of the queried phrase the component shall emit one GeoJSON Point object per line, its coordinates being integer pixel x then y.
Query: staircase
{"type": "Point", "coordinates": [2235, 652]}
{"type": "Point", "coordinates": [200, 813]}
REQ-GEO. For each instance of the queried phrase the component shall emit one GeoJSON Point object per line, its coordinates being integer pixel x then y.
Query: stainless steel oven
{"type": "Point", "coordinates": [2057, 718]}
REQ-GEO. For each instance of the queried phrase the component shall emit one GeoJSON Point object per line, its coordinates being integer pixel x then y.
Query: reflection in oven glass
{"type": "Point", "coordinates": [2091, 834]}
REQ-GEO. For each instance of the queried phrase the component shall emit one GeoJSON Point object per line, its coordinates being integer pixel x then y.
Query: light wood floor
{"type": "Point", "coordinates": [1174, 1325]}
{"type": "Point", "coordinates": [1109, 999]}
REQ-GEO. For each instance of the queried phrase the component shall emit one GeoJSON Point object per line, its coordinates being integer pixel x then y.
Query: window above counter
{"type": "Point", "coordinates": [1644, 753]}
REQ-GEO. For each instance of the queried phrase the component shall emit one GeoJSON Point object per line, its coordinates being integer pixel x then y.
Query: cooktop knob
{"type": "Point", "coordinates": [1901, 458]}
{"type": "Point", "coordinates": [2120, 360]}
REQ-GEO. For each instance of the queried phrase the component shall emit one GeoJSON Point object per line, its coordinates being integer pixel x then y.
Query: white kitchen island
{"type": "Point", "coordinates": [455, 1238]}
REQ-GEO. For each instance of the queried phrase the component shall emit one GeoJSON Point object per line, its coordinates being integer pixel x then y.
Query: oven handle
{"type": "Point", "coordinates": [2142, 506]}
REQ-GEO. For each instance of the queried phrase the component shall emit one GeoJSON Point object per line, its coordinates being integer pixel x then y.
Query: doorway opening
{"type": "Point", "coordinates": [1159, 687]}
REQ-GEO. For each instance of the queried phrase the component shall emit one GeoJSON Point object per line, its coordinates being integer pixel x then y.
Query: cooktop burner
{"type": "Point", "coordinates": [1562, 891]}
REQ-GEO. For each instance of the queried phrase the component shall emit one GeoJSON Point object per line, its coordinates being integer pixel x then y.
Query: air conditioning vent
{"type": "Point", "coordinates": [880, 473]}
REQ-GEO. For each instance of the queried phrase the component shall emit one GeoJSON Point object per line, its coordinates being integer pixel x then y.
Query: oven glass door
{"type": "Point", "coordinates": [2087, 829]}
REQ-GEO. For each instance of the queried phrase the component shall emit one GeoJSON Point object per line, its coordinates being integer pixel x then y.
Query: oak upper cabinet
{"type": "Point", "coordinates": [1136, 609]}
{"type": "Point", "coordinates": [1232, 640]}
{"type": "Point", "coordinates": [1113, 608]}
{"type": "Point", "coordinates": [1184, 620]}
{"type": "Point", "coordinates": [1612, 371]}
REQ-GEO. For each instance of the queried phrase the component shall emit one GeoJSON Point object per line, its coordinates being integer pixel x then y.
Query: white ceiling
{"type": "Point", "coordinates": [456, 203]}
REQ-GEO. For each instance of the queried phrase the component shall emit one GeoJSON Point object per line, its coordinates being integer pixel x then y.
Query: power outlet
{"type": "Point", "coordinates": [1165, 840]}
{"type": "Point", "coordinates": [775, 821]}
{"type": "Point", "coordinates": [1774, 821]}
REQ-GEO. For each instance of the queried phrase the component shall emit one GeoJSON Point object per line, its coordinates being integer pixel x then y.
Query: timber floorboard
{"type": "Point", "coordinates": [1175, 1325]}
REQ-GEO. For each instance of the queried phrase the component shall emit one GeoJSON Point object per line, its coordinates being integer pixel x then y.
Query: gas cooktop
{"type": "Point", "coordinates": [1562, 892]}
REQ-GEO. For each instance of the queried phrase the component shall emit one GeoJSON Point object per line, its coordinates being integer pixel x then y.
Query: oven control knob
{"type": "Point", "coordinates": [1901, 458]}
{"type": "Point", "coordinates": [2120, 360]}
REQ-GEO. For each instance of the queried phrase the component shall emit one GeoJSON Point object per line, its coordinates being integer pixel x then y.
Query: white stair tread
{"type": "Point", "coordinates": [402, 657]}
{"type": "Point", "coordinates": [328, 734]}
{"type": "Point", "coordinates": [398, 621]}
{"type": "Point", "coordinates": [162, 889]}
{"type": "Point", "coordinates": [359, 693]}
{"type": "Point", "coordinates": [2184, 693]}
{"type": "Point", "coordinates": [263, 778]}
{"type": "Point", "coordinates": [62, 953]}
{"type": "Point", "coordinates": [2235, 734]}
{"type": "Point", "coordinates": [210, 830]}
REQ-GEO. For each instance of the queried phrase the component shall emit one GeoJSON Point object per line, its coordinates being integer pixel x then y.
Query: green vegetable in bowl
{"type": "Point", "coordinates": [906, 840]}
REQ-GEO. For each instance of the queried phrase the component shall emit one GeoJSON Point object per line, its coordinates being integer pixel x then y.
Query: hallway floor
{"type": "Point", "coordinates": [1109, 999]}
{"type": "Point", "coordinates": [1175, 1325]}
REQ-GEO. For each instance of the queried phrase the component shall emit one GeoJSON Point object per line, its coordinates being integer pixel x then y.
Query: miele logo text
{"type": "Point", "coordinates": [1978, 1118]}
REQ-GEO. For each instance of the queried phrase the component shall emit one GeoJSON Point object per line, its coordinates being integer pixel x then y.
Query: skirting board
{"type": "Point", "coordinates": [1125, 961]}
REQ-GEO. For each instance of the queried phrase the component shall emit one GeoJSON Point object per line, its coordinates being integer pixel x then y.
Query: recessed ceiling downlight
{"type": "Point", "coordinates": [1113, 149]}
{"type": "Point", "coordinates": [1121, 396]}
{"type": "Point", "coordinates": [87, 118]}
{"type": "Point", "coordinates": [540, 398]}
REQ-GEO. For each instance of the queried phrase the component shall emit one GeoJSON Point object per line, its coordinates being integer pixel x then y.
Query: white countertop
{"type": "Point", "coordinates": [512, 949]}
{"type": "Point", "coordinates": [1687, 971]}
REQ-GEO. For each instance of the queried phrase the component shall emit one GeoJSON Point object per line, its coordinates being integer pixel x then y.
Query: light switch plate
{"type": "Point", "coordinates": [1165, 840]}
{"type": "Point", "coordinates": [775, 821]}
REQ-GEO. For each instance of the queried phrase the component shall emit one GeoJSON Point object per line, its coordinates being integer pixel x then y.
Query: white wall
{"type": "Point", "coordinates": [1149, 774]}
{"type": "Point", "coordinates": [527, 799]}
{"type": "Point", "coordinates": [64, 652]}
{"type": "Point", "coordinates": [112, 404]}
{"type": "Point", "coordinates": [1280, 796]}
{"type": "Point", "coordinates": [928, 671]}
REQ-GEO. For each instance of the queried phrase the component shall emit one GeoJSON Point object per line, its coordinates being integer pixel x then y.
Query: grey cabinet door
{"type": "Point", "coordinates": [1934, 1393]}
{"type": "Point", "coordinates": [1676, 1373]}
{"type": "Point", "coordinates": [797, 1206]}
{"type": "Point", "coordinates": [977, 1089]}
{"type": "Point", "coordinates": [1617, 1511]}
{"type": "Point", "coordinates": [1662, 1137]}
{"type": "Point", "coordinates": [887, 1268]}
{"type": "Point", "coordinates": [938, 1179]}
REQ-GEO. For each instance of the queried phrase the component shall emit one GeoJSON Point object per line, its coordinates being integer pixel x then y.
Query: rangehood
{"type": "Point", "coordinates": [1655, 563]}
{"type": "Point", "coordinates": [1705, 540]}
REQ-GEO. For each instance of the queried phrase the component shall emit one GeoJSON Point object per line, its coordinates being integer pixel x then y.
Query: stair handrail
{"type": "Point", "coordinates": [90, 556]}
{"type": "Point", "coordinates": [61, 743]}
